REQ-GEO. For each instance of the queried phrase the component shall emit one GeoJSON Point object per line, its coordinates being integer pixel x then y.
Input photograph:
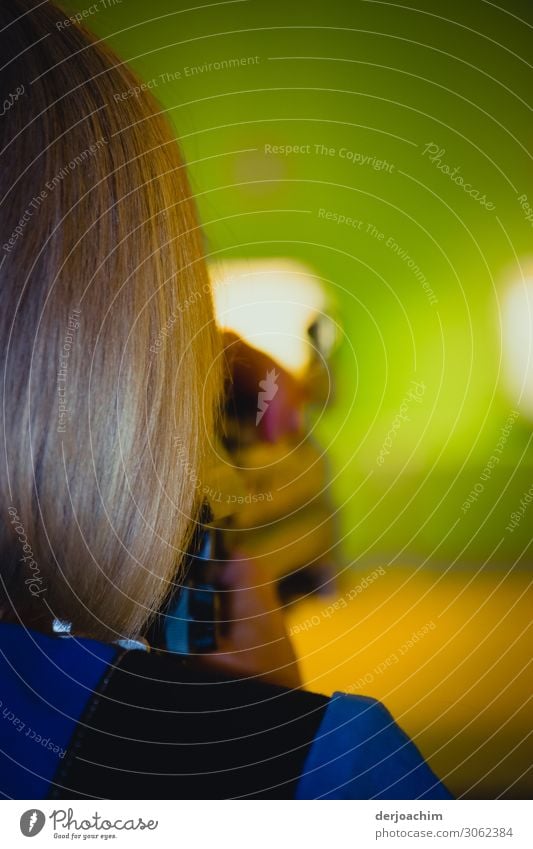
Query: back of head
{"type": "Point", "coordinates": [108, 345]}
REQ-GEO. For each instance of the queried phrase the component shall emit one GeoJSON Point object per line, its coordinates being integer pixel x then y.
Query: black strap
{"type": "Point", "coordinates": [159, 729]}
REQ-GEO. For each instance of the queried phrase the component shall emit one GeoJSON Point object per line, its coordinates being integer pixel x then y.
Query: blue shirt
{"type": "Point", "coordinates": [47, 682]}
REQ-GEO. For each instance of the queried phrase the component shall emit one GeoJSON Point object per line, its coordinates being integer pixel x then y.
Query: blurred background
{"type": "Point", "coordinates": [385, 151]}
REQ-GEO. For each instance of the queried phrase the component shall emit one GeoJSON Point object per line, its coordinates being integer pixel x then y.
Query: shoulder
{"type": "Point", "coordinates": [360, 752]}
{"type": "Point", "coordinates": [159, 727]}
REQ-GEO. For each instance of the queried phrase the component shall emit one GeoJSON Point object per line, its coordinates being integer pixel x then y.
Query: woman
{"type": "Point", "coordinates": [104, 374]}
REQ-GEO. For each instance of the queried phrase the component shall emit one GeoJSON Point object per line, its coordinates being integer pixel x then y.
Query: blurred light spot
{"type": "Point", "coordinates": [517, 329]}
{"type": "Point", "coordinates": [258, 174]}
{"type": "Point", "coordinates": [277, 306]}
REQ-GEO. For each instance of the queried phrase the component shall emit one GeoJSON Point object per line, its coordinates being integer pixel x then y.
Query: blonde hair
{"type": "Point", "coordinates": [109, 348]}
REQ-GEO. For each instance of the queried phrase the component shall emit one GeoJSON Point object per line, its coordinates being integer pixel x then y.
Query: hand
{"type": "Point", "coordinates": [286, 527]}
{"type": "Point", "coordinates": [253, 640]}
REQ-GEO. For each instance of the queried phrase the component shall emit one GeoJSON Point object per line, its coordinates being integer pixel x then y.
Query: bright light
{"type": "Point", "coordinates": [272, 304]}
{"type": "Point", "coordinates": [517, 321]}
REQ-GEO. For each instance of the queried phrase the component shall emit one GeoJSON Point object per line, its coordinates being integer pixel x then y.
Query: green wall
{"type": "Point", "coordinates": [383, 81]}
